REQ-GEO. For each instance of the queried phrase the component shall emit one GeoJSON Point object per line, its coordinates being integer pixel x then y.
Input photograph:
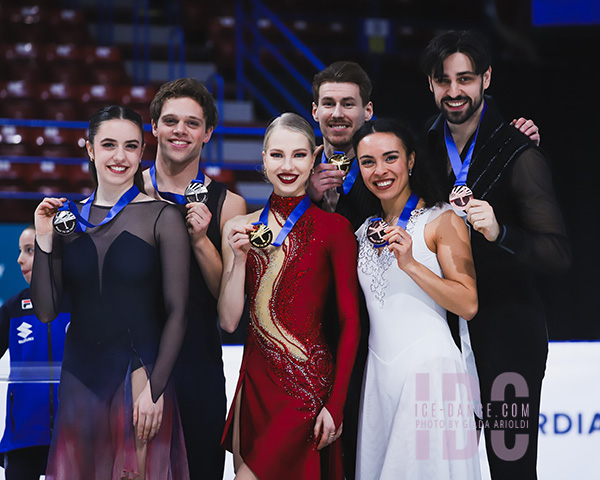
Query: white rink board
{"type": "Point", "coordinates": [569, 444]}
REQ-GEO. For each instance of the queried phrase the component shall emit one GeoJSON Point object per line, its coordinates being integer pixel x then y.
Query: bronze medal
{"type": "Point", "coordinates": [64, 222]}
{"type": "Point", "coordinates": [460, 197]}
{"type": "Point", "coordinates": [341, 161]}
{"type": "Point", "coordinates": [261, 236]}
{"type": "Point", "coordinates": [375, 232]}
{"type": "Point", "coordinates": [196, 192]}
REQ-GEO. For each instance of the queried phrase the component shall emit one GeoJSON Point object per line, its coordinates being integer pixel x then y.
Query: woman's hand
{"type": "Point", "coordinates": [529, 128]}
{"type": "Point", "coordinates": [239, 241]}
{"type": "Point", "coordinates": [43, 217]}
{"type": "Point", "coordinates": [325, 428]}
{"type": "Point", "coordinates": [400, 244]}
{"type": "Point", "coordinates": [44, 214]}
{"type": "Point", "coordinates": [147, 415]}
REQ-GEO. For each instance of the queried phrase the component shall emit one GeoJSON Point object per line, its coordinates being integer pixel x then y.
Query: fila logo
{"type": "Point", "coordinates": [24, 332]}
{"type": "Point", "coordinates": [26, 304]}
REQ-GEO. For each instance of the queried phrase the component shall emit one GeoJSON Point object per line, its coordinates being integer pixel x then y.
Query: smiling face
{"type": "Point", "coordinates": [181, 131]}
{"type": "Point", "coordinates": [288, 159]}
{"type": "Point", "coordinates": [459, 91]}
{"type": "Point", "coordinates": [26, 249]}
{"type": "Point", "coordinates": [116, 152]}
{"type": "Point", "coordinates": [340, 114]}
{"type": "Point", "coordinates": [384, 165]}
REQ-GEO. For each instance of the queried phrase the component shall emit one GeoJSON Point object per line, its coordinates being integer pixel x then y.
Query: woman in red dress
{"type": "Point", "coordinates": [287, 411]}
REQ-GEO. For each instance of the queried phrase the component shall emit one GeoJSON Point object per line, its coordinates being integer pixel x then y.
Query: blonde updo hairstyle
{"type": "Point", "coordinates": [293, 122]}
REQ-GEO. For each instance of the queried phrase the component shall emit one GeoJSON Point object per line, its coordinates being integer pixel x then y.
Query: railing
{"type": "Point", "coordinates": [216, 84]}
{"type": "Point", "coordinates": [106, 22]}
{"type": "Point", "coordinates": [176, 41]}
{"type": "Point", "coordinates": [141, 42]}
{"type": "Point", "coordinates": [249, 53]}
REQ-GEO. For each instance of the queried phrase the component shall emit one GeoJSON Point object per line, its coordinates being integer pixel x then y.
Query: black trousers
{"type": "Point", "coordinates": [511, 408]}
{"type": "Point", "coordinates": [26, 463]}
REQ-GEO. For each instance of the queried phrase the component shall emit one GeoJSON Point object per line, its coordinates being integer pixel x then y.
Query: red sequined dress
{"type": "Point", "coordinates": [288, 373]}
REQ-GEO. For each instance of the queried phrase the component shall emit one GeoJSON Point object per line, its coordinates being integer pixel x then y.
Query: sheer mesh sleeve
{"type": "Point", "coordinates": [174, 247]}
{"type": "Point", "coordinates": [540, 239]}
{"type": "Point", "coordinates": [46, 281]}
{"type": "Point", "coordinates": [343, 263]}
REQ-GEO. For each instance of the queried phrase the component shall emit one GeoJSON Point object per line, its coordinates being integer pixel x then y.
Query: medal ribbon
{"type": "Point", "coordinates": [350, 176]}
{"type": "Point", "coordinates": [407, 210]}
{"type": "Point", "coordinates": [174, 197]}
{"type": "Point", "coordinates": [460, 168]}
{"type": "Point", "coordinates": [289, 223]}
{"type": "Point", "coordinates": [82, 219]}
{"type": "Point", "coordinates": [411, 203]}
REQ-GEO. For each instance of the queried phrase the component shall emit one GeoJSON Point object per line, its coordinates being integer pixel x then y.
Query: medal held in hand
{"type": "Point", "coordinates": [341, 161]}
{"type": "Point", "coordinates": [460, 197]}
{"type": "Point", "coordinates": [375, 232]}
{"type": "Point", "coordinates": [64, 222]}
{"type": "Point", "coordinates": [377, 225]}
{"type": "Point", "coordinates": [196, 192]}
{"type": "Point", "coordinates": [261, 236]}
{"type": "Point", "coordinates": [460, 194]}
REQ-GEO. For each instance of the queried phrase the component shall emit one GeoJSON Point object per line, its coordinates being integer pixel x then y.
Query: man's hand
{"type": "Point", "coordinates": [481, 216]}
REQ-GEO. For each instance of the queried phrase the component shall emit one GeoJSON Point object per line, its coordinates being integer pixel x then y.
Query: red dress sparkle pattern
{"type": "Point", "coordinates": [288, 373]}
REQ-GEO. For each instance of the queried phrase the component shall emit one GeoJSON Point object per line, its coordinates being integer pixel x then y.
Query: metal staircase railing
{"type": "Point", "coordinates": [248, 15]}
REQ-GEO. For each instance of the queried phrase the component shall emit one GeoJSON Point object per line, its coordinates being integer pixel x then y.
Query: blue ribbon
{"type": "Point", "coordinates": [83, 218]}
{"type": "Point", "coordinates": [407, 210]}
{"type": "Point", "coordinates": [289, 223]}
{"type": "Point", "coordinates": [460, 168]}
{"type": "Point", "coordinates": [350, 176]}
{"type": "Point", "coordinates": [411, 203]}
{"type": "Point", "coordinates": [174, 197]}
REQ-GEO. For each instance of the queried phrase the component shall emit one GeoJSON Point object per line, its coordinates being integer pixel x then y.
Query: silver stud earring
{"type": "Point", "coordinates": [409, 172]}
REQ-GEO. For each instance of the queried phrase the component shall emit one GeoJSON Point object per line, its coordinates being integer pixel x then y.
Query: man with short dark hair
{"type": "Point", "coordinates": [503, 183]}
{"type": "Point", "coordinates": [341, 105]}
{"type": "Point", "coordinates": [183, 117]}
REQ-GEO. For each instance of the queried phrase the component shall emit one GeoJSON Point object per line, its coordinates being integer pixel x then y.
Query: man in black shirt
{"type": "Point", "coordinates": [517, 228]}
{"type": "Point", "coordinates": [341, 105]}
{"type": "Point", "coordinates": [184, 116]}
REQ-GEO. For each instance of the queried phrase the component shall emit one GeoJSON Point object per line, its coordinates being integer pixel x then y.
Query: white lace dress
{"type": "Point", "coordinates": [416, 416]}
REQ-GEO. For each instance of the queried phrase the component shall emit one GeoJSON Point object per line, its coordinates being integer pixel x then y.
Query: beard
{"type": "Point", "coordinates": [458, 118]}
{"type": "Point", "coordinates": [339, 142]}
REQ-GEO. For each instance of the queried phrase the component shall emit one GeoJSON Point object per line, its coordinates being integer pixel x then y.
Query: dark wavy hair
{"type": "Point", "coordinates": [115, 112]}
{"type": "Point", "coordinates": [469, 42]}
{"type": "Point", "coordinates": [186, 88]}
{"type": "Point", "coordinates": [421, 180]}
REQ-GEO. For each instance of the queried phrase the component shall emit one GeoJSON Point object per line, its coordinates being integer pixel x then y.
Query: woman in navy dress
{"type": "Point", "coordinates": [126, 271]}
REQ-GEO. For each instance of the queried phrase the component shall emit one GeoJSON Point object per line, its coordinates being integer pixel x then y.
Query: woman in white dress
{"type": "Point", "coordinates": [416, 418]}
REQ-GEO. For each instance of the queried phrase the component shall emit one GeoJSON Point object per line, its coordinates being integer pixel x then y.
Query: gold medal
{"type": "Point", "coordinates": [460, 197]}
{"type": "Point", "coordinates": [341, 161]}
{"type": "Point", "coordinates": [261, 236]}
